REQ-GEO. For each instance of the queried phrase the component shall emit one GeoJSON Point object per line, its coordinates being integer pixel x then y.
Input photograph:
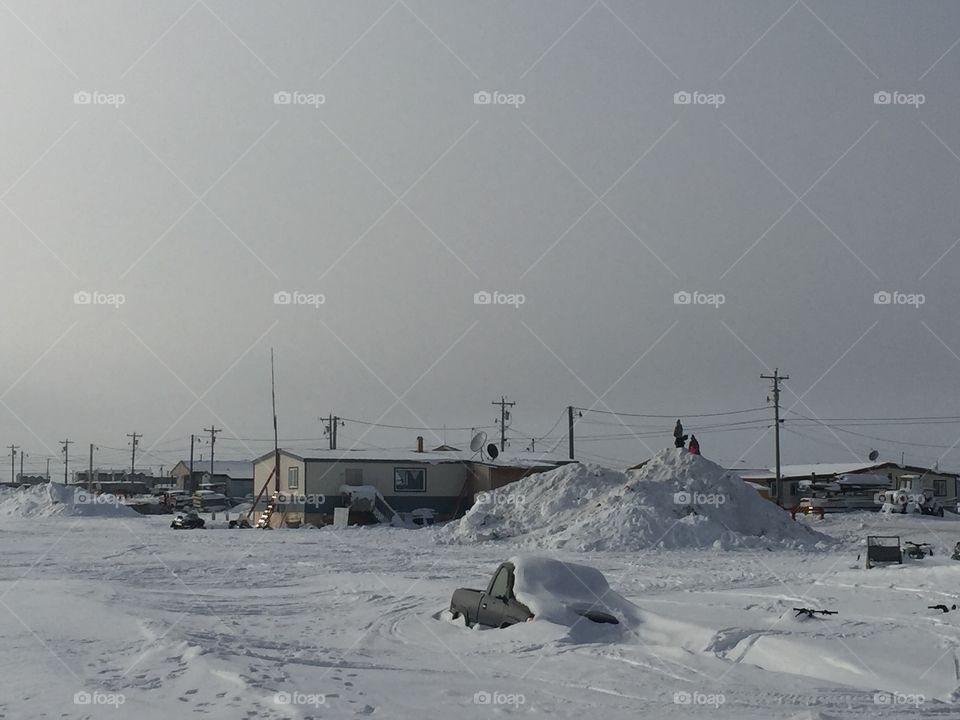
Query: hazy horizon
{"type": "Point", "coordinates": [170, 168]}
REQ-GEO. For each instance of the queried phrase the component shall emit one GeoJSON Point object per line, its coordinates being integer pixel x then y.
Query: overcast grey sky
{"type": "Point", "coordinates": [148, 157]}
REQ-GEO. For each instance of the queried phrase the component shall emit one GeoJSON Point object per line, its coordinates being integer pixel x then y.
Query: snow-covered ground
{"type": "Point", "coordinates": [147, 622]}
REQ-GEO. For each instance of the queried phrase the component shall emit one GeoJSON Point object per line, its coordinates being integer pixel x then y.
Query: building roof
{"type": "Point", "coordinates": [234, 469]}
{"type": "Point", "coordinates": [518, 459]}
{"type": "Point", "coordinates": [822, 470]}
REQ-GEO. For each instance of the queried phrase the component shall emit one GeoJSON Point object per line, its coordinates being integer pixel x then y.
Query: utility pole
{"type": "Point", "coordinates": [66, 457]}
{"type": "Point", "coordinates": [13, 462]}
{"type": "Point", "coordinates": [188, 486]}
{"type": "Point", "coordinates": [213, 440]}
{"type": "Point", "coordinates": [21, 466]}
{"type": "Point", "coordinates": [90, 471]}
{"type": "Point", "coordinates": [570, 429]}
{"type": "Point", "coordinates": [336, 422]}
{"type": "Point", "coordinates": [777, 378]}
{"type": "Point", "coordinates": [48, 469]}
{"type": "Point", "coordinates": [328, 430]}
{"type": "Point", "coordinates": [504, 416]}
{"type": "Point", "coordinates": [133, 451]}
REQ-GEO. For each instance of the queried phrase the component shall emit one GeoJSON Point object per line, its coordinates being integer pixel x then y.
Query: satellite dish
{"type": "Point", "coordinates": [493, 451]}
{"type": "Point", "coordinates": [873, 455]}
{"type": "Point", "coordinates": [476, 444]}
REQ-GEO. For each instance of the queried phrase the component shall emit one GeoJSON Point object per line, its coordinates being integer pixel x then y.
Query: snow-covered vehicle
{"type": "Point", "coordinates": [537, 581]}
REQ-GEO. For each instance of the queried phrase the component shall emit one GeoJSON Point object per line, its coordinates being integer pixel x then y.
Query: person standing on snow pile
{"type": "Point", "coordinates": [679, 439]}
{"type": "Point", "coordinates": [694, 446]}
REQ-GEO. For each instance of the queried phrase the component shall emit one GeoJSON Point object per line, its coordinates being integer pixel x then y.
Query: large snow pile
{"type": "Point", "coordinates": [49, 499]}
{"type": "Point", "coordinates": [676, 500]}
{"type": "Point", "coordinates": [560, 592]}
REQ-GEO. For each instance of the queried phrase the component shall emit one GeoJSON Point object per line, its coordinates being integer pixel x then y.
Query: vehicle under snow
{"type": "Point", "coordinates": [528, 588]}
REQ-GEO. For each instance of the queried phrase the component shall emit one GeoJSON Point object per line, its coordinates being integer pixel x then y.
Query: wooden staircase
{"type": "Point", "coordinates": [263, 521]}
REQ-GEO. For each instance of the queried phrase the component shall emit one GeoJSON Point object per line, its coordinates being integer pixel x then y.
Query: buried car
{"type": "Point", "coordinates": [527, 587]}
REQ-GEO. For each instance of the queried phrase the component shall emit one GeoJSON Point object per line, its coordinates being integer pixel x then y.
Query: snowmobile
{"type": "Point", "coordinates": [187, 521]}
{"type": "Point", "coordinates": [917, 551]}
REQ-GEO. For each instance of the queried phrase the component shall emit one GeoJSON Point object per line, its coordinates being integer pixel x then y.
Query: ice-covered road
{"type": "Point", "coordinates": [146, 622]}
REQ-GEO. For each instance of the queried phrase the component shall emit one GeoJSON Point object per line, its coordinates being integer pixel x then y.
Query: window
{"type": "Point", "coordinates": [293, 478]}
{"type": "Point", "coordinates": [409, 480]}
{"type": "Point", "coordinates": [500, 587]}
{"type": "Point", "coordinates": [354, 476]}
{"type": "Point", "coordinates": [940, 487]}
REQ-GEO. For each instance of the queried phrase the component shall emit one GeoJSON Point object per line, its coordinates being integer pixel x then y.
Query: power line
{"type": "Point", "coordinates": [672, 415]}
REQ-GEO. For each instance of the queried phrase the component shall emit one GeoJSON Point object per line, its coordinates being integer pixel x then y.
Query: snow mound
{"type": "Point", "coordinates": [51, 499]}
{"type": "Point", "coordinates": [559, 592]}
{"type": "Point", "coordinates": [675, 500]}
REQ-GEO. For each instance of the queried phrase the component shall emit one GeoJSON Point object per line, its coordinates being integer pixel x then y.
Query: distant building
{"type": "Point", "coordinates": [942, 485]}
{"type": "Point", "coordinates": [234, 478]}
{"type": "Point", "coordinates": [376, 484]}
{"type": "Point", "coordinates": [104, 477]}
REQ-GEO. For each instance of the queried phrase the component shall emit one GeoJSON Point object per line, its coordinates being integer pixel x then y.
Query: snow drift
{"type": "Point", "coordinates": [675, 500]}
{"type": "Point", "coordinates": [50, 499]}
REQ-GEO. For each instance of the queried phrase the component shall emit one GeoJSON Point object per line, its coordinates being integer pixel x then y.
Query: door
{"type": "Point", "coordinates": [494, 602]}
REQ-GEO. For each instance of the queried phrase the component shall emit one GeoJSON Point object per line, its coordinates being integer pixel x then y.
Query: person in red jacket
{"type": "Point", "coordinates": [694, 446]}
